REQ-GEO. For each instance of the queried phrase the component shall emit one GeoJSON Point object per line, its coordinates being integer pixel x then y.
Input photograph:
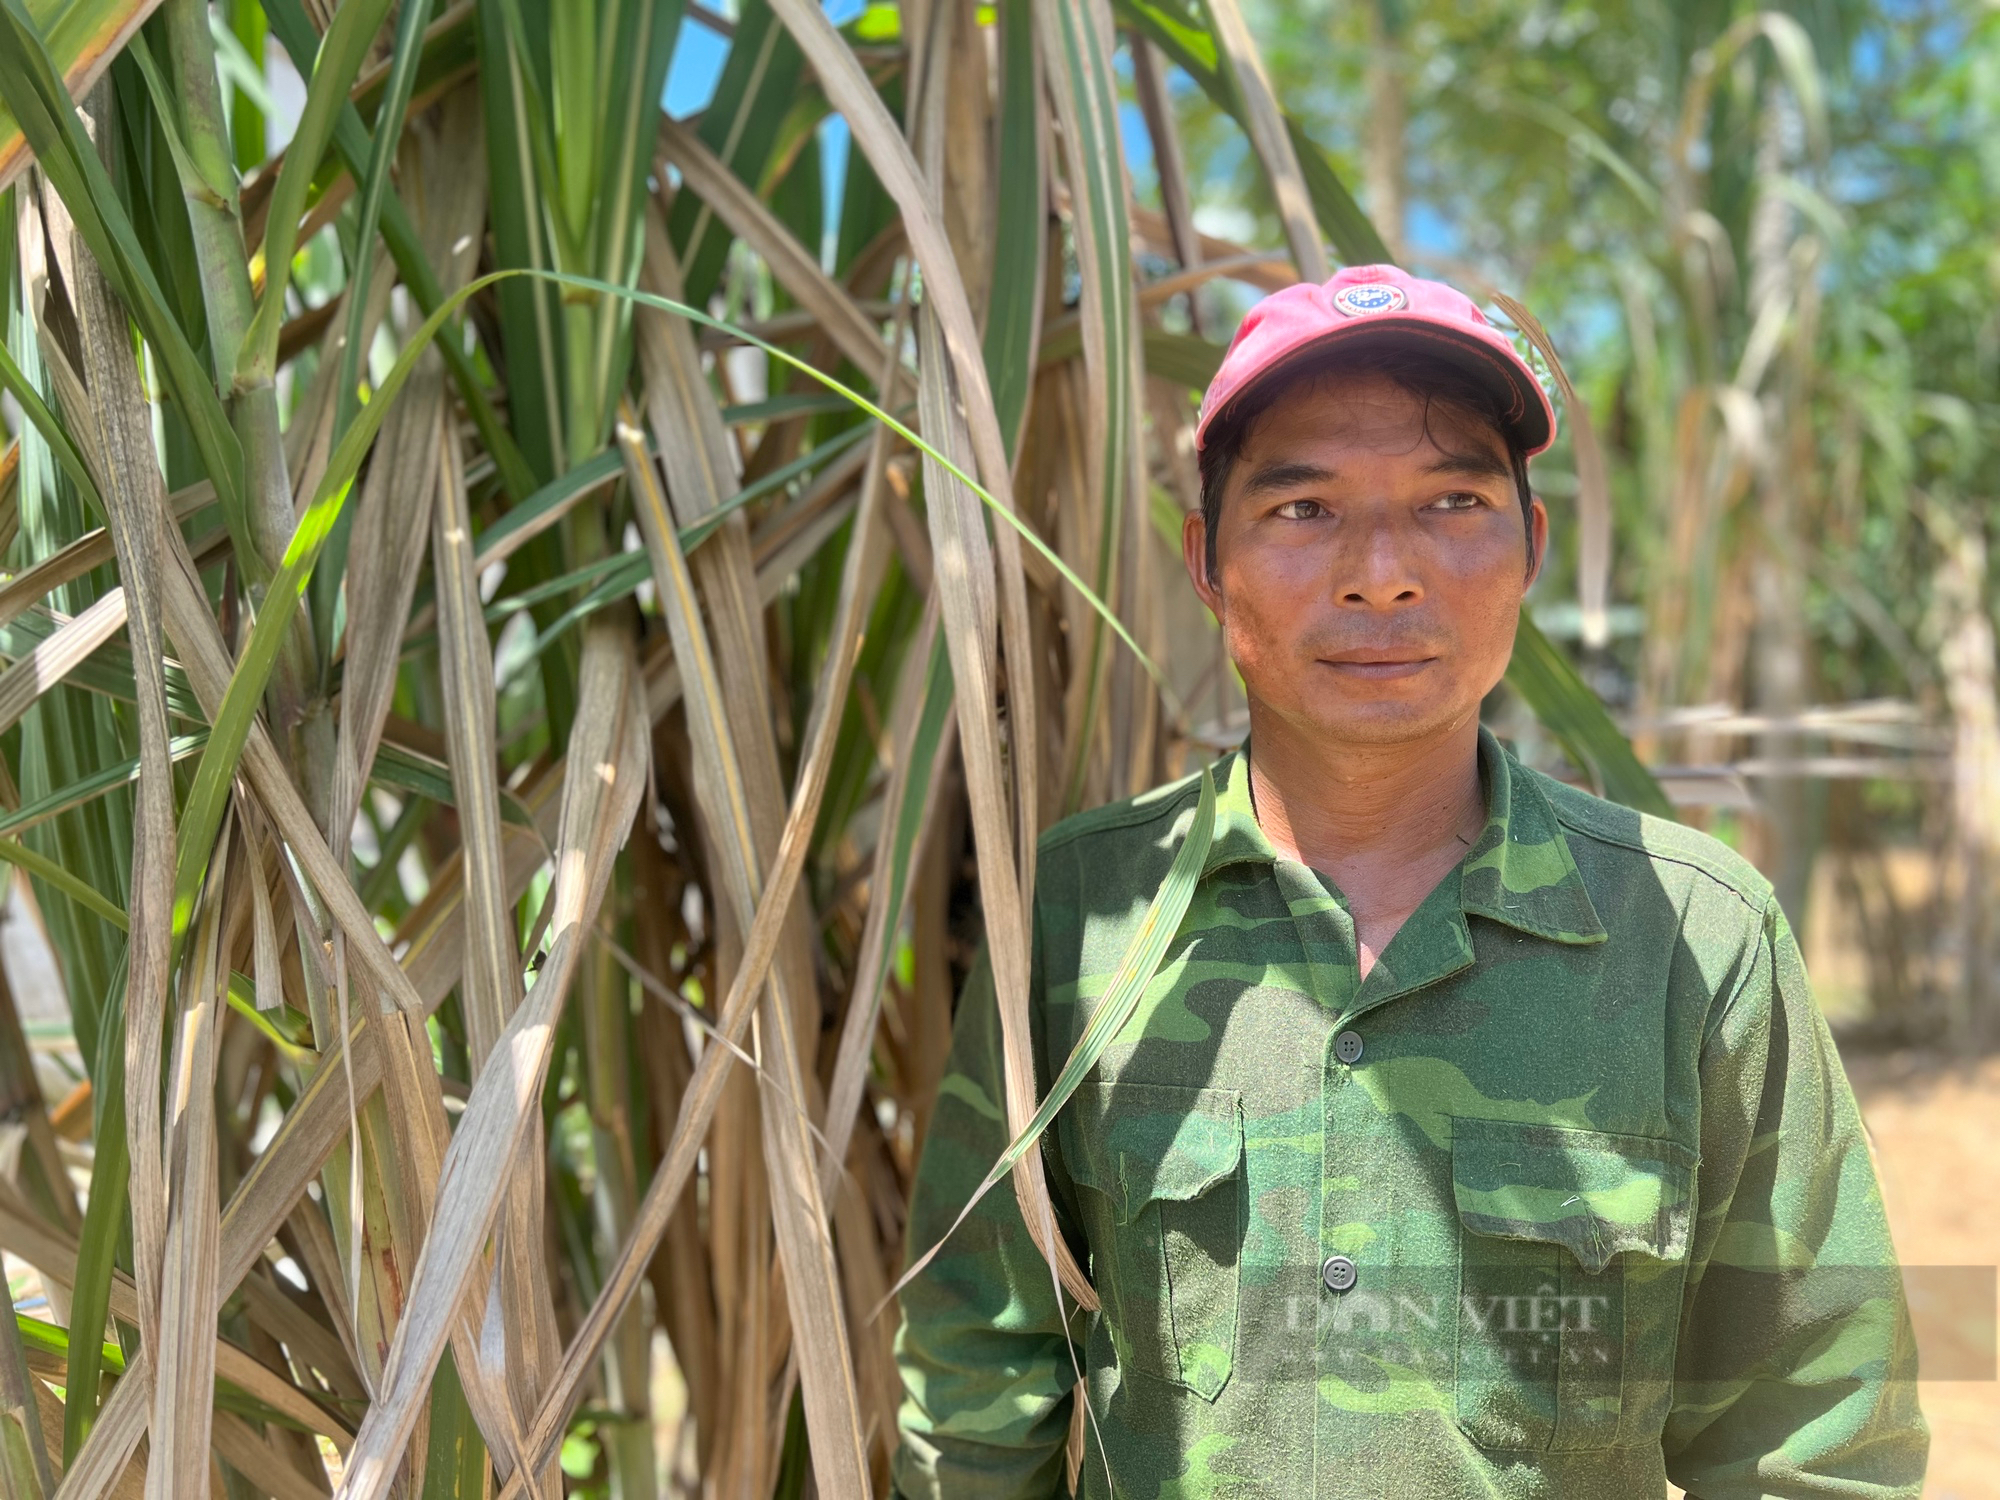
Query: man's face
{"type": "Point", "coordinates": [1369, 566]}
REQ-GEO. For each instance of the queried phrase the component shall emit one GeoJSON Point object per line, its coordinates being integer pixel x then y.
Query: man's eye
{"type": "Point", "coordinates": [1459, 500]}
{"type": "Point", "coordinates": [1301, 510]}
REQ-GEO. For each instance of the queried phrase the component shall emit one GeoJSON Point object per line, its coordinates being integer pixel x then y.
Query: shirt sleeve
{"type": "Point", "coordinates": [986, 1366]}
{"type": "Point", "coordinates": [1796, 1372]}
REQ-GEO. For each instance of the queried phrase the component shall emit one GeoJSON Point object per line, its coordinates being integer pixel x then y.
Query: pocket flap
{"type": "Point", "coordinates": [1595, 1193]}
{"type": "Point", "coordinates": [1135, 1142]}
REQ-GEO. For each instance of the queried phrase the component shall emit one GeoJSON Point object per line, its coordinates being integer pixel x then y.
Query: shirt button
{"type": "Point", "coordinates": [1347, 1047]}
{"type": "Point", "coordinates": [1338, 1273]}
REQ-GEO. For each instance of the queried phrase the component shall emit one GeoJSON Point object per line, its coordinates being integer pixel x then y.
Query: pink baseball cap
{"type": "Point", "coordinates": [1381, 303]}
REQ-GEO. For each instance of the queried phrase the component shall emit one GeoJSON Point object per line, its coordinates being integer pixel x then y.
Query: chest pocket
{"type": "Point", "coordinates": [1165, 1166]}
{"type": "Point", "coordinates": [1573, 1246]}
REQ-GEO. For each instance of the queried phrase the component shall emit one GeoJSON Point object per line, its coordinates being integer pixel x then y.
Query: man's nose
{"type": "Point", "coordinates": [1380, 568]}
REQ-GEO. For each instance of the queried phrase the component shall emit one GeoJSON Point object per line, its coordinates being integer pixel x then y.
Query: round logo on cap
{"type": "Point", "coordinates": [1370, 297]}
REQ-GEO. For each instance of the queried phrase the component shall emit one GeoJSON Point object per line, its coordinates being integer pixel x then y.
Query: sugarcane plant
{"type": "Point", "coordinates": [537, 633]}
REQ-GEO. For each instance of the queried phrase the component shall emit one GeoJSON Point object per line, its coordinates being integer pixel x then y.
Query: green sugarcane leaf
{"type": "Point", "coordinates": [286, 1030]}
{"type": "Point", "coordinates": [1135, 971]}
{"type": "Point", "coordinates": [166, 116]}
{"type": "Point", "coordinates": [905, 821]}
{"type": "Point", "coordinates": [374, 187]}
{"type": "Point", "coordinates": [629, 570]}
{"type": "Point", "coordinates": [1352, 232]}
{"type": "Point", "coordinates": [240, 56]}
{"type": "Point", "coordinates": [24, 1466]}
{"type": "Point", "coordinates": [644, 33]}
{"type": "Point", "coordinates": [407, 771]}
{"type": "Point", "coordinates": [79, 34]}
{"type": "Point", "coordinates": [351, 139]}
{"type": "Point", "coordinates": [776, 408]}
{"type": "Point", "coordinates": [33, 90]}
{"type": "Point", "coordinates": [693, 536]}
{"type": "Point", "coordinates": [52, 1339]}
{"type": "Point", "coordinates": [93, 786]}
{"type": "Point", "coordinates": [1177, 31]}
{"type": "Point", "coordinates": [107, 670]}
{"type": "Point", "coordinates": [449, 53]}
{"type": "Point", "coordinates": [1182, 358]}
{"type": "Point", "coordinates": [1014, 310]}
{"type": "Point", "coordinates": [455, 1459]}
{"type": "Point", "coordinates": [602, 468]}
{"type": "Point", "coordinates": [1576, 716]}
{"type": "Point", "coordinates": [410, 20]}
{"type": "Point", "coordinates": [103, 1220]}
{"type": "Point", "coordinates": [741, 124]}
{"type": "Point", "coordinates": [341, 53]}
{"type": "Point", "coordinates": [623, 572]}
{"type": "Point", "coordinates": [16, 383]}
{"type": "Point", "coordinates": [529, 314]}
{"type": "Point", "coordinates": [611, 565]}
{"type": "Point", "coordinates": [1086, 90]}
{"type": "Point", "coordinates": [75, 887]}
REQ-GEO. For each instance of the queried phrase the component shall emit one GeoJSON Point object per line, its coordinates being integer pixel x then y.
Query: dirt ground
{"type": "Point", "coordinates": [1935, 1123]}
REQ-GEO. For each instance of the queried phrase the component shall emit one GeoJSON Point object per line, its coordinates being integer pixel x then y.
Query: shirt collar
{"type": "Point", "coordinates": [1519, 870]}
{"type": "Point", "coordinates": [1239, 838]}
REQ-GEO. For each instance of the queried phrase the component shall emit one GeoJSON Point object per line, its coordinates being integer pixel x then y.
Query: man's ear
{"type": "Point", "coordinates": [1538, 539]}
{"type": "Point", "coordinates": [1194, 553]}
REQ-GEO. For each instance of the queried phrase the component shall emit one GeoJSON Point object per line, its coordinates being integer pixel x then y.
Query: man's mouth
{"type": "Point", "coordinates": [1381, 664]}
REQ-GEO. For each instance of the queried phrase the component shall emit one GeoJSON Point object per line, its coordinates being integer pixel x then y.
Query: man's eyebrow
{"type": "Point", "coordinates": [1472, 465]}
{"type": "Point", "coordinates": [1284, 477]}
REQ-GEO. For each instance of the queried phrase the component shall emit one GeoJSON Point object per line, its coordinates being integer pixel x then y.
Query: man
{"type": "Point", "coordinates": [1476, 1137]}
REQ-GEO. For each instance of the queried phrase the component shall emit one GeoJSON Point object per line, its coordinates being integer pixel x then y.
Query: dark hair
{"type": "Point", "coordinates": [1441, 383]}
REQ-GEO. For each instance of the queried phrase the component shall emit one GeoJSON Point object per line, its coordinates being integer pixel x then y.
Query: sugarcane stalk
{"type": "Point", "coordinates": [215, 216]}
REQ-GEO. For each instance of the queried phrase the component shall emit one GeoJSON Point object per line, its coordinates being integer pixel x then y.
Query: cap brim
{"type": "Point", "coordinates": [1525, 409]}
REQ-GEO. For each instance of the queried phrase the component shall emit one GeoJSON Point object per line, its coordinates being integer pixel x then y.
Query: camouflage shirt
{"type": "Point", "coordinates": [1567, 1198]}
